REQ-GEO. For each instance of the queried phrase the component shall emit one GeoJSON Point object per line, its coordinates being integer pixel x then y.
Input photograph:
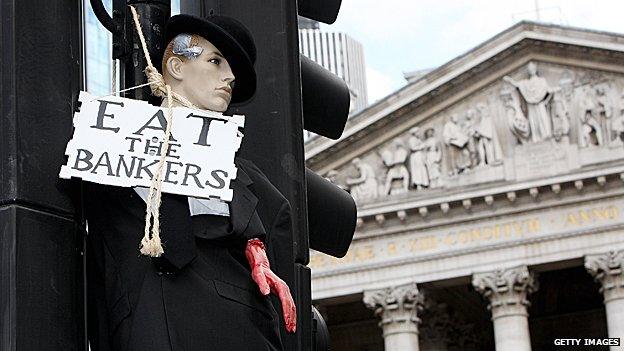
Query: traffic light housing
{"type": "Point", "coordinates": [331, 216]}
{"type": "Point", "coordinates": [325, 99]}
{"type": "Point", "coordinates": [325, 11]}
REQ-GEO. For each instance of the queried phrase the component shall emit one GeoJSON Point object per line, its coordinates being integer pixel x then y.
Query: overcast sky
{"type": "Point", "coordinates": [406, 35]}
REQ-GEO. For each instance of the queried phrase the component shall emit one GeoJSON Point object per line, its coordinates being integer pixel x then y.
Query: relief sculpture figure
{"type": "Point", "coordinates": [516, 120]}
{"type": "Point", "coordinates": [470, 123]}
{"type": "Point", "coordinates": [488, 147]}
{"type": "Point", "coordinates": [433, 157]}
{"type": "Point", "coordinates": [365, 186]}
{"type": "Point", "coordinates": [537, 94]}
{"type": "Point", "coordinates": [590, 130]}
{"type": "Point", "coordinates": [604, 112]}
{"type": "Point", "coordinates": [395, 158]}
{"type": "Point", "coordinates": [417, 161]}
{"type": "Point", "coordinates": [332, 177]}
{"type": "Point", "coordinates": [456, 145]}
{"type": "Point", "coordinates": [618, 125]}
{"type": "Point", "coordinates": [561, 119]}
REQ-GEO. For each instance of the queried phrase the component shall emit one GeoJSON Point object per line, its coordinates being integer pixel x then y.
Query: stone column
{"type": "Point", "coordinates": [608, 270]}
{"type": "Point", "coordinates": [507, 292]}
{"type": "Point", "coordinates": [398, 309]}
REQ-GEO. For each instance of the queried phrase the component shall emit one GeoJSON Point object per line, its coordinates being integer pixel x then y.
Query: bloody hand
{"type": "Point", "coordinates": [267, 281]}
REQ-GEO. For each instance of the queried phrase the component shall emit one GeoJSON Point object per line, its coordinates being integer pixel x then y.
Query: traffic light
{"type": "Point", "coordinates": [325, 11]}
{"type": "Point", "coordinates": [325, 97]}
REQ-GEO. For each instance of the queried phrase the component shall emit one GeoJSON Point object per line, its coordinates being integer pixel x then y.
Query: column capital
{"type": "Point", "coordinates": [608, 270]}
{"type": "Point", "coordinates": [398, 304]}
{"type": "Point", "coordinates": [506, 289]}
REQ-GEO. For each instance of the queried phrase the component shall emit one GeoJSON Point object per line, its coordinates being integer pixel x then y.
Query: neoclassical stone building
{"type": "Point", "coordinates": [490, 198]}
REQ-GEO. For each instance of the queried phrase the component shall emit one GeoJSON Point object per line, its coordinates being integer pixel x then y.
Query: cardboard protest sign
{"type": "Point", "coordinates": [118, 141]}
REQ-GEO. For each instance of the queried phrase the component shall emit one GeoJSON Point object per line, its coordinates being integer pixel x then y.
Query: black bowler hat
{"type": "Point", "coordinates": [234, 41]}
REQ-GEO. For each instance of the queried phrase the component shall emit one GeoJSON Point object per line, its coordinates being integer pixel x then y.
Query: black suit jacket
{"type": "Point", "coordinates": [211, 303]}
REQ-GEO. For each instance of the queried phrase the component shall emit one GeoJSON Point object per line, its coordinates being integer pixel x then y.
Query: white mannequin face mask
{"type": "Point", "coordinates": [205, 80]}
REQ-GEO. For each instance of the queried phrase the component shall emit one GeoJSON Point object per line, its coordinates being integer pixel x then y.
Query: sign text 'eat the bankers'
{"type": "Point", "coordinates": [118, 141]}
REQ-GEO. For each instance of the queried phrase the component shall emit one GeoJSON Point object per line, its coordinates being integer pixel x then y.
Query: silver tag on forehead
{"type": "Point", "coordinates": [182, 46]}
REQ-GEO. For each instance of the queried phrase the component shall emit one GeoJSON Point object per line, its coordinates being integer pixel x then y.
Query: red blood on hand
{"type": "Point", "coordinates": [268, 281]}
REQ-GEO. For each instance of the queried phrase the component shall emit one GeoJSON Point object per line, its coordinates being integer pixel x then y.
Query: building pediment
{"type": "Point", "coordinates": [534, 103]}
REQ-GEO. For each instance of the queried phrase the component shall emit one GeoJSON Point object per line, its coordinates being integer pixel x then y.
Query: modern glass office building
{"type": "Point", "coordinates": [98, 61]}
{"type": "Point", "coordinates": [340, 54]}
{"type": "Point", "coordinates": [98, 50]}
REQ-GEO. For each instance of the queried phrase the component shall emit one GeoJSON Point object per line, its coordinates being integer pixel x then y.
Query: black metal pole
{"type": "Point", "coordinates": [41, 268]}
{"type": "Point", "coordinates": [153, 15]}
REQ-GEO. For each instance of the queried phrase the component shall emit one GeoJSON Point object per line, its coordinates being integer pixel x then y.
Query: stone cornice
{"type": "Point", "coordinates": [501, 195]}
{"type": "Point", "coordinates": [386, 230]}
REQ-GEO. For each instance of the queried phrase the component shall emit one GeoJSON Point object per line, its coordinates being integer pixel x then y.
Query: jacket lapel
{"type": "Point", "coordinates": [244, 202]}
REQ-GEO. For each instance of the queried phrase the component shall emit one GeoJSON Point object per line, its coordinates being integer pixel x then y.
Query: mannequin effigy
{"type": "Point", "coordinates": [209, 288]}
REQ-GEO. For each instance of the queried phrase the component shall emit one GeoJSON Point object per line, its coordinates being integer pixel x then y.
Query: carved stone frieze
{"type": "Point", "coordinates": [538, 121]}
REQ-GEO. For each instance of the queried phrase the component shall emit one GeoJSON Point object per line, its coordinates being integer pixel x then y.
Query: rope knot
{"type": "Point", "coordinates": [151, 247]}
{"type": "Point", "coordinates": [156, 80]}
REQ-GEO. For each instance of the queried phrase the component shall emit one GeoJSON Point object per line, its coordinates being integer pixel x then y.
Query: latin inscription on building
{"type": "Point", "coordinates": [520, 230]}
